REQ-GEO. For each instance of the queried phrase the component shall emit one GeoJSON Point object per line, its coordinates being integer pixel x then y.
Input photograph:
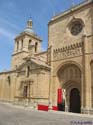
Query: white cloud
{"type": "Point", "coordinates": [4, 22]}
{"type": "Point", "coordinates": [8, 29]}
{"type": "Point", "coordinates": [5, 33]}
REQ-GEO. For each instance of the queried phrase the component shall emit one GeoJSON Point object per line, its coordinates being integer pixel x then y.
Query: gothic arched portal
{"type": "Point", "coordinates": [70, 79]}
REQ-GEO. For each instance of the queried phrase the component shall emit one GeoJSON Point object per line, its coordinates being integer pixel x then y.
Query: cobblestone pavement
{"type": "Point", "coordinates": [12, 115]}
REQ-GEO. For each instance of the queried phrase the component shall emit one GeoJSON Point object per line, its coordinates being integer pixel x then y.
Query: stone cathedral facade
{"type": "Point", "coordinates": [67, 64]}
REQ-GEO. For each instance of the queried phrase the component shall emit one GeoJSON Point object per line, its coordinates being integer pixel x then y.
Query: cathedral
{"type": "Point", "coordinates": [61, 77]}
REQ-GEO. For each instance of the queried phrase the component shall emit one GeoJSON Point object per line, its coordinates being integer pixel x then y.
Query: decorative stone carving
{"type": "Point", "coordinates": [76, 28]}
{"type": "Point", "coordinates": [68, 74]}
{"type": "Point", "coordinates": [68, 51]}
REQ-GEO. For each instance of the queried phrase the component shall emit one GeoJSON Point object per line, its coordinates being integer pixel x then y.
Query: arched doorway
{"type": "Point", "coordinates": [75, 103]}
{"type": "Point", "coordinates": [70, 78]}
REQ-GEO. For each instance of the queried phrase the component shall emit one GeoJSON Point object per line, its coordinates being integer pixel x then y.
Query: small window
{"type": "Point", "coordinates": [21, 44]}
{"type": "Point", "coordinates": [28, 71]}
{"type": "Point", "coordinates": [36, 47]}
{"type": "Point", "coordinates": [30, 42]}
{"type": "Point", "coordinates": [25, 90]}
{"type": "Point", "coordinates": [8, 79]}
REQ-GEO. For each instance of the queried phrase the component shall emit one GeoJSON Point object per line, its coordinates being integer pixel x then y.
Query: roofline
{"type": "Point", "coordinates": [40, 65]}
{"type": "Point", "coordinates": [27, 33]}
{"type": "Point", "coordinates": [6, 72]}
{"type": "Point", "coordinates": [76, 7]}
{"type": "Point", "coordinates": [40, 53]}
{"type": "Point", "coordinates": [20, 52]}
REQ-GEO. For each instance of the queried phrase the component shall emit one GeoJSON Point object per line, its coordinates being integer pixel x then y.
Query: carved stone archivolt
{"type": "Point", "coordinates": [69, 73]}
{"type": "Point", "coordinates": [68, 51]}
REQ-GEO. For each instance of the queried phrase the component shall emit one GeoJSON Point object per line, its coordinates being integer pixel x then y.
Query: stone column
{"type": "Point", "coordinates": [87, 76]}
{"type": "Point", "coordinates": [65, 97]}
{"type": "Point", "coordinates": [15, 50]}
{"type": "Point", "coordinates": [51, 76]}
{"type": "Point", "coordinates": [82, 92]}
{"type": "Point", "coordinates": [55, 86]}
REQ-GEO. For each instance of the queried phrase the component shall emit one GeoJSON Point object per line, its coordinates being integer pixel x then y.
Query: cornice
{"type": "Point", "coordinates": [29, 34]}
{"type": "Point", "coordinates": [7, 72]}
{"type": "Point", "coordinates": [72, 46]}
{"type": "Point", "coordinates": [71, 10]}
{"type": "Point", "coordinates": [19, 52]}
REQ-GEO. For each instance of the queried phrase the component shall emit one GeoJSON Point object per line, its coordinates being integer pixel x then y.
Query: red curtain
{"type": "Point", "coordinates": [59, 99]}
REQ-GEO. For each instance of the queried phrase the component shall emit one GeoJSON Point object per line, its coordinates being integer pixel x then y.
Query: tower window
{"type": "Point", "coordinates": [21, 44]}
{"type": "Point", "coordinates": [29, 42]}
{"type": "Point", "coordinates": [36, 47]}
{"type": "Point", "coordinates": [9, 80]}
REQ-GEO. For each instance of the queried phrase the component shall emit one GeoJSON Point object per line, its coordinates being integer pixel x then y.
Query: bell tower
{"type": "Point", "coordinates": [26, 43]}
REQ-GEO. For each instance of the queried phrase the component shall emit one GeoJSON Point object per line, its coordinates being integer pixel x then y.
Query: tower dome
{"type": "Point", "coordinates": [29, 27]}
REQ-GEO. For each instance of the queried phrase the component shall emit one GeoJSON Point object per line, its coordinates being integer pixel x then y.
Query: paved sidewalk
{"type": "Point", "coordinates": [19, 115]}
{"type": "Point", "coordinates": [56, 112]}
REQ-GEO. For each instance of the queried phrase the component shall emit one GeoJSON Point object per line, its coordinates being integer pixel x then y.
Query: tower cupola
{"type": "Point", "coordinates": [29, 27]}
{"type": "Point", "coordinates": [29, 24]}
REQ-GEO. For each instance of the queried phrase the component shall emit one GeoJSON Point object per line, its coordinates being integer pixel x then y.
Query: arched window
{"type": "Point", "coordinates": [22, 44]}
{"type": "Point", "coordinates": [36, 47]}
{"type": "Point", "coordinates": [30, 42]}
{"type": "Point", "coordinates": [9, 81]}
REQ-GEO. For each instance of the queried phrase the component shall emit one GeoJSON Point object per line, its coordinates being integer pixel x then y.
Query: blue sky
{"type": "Point", "coordinates": [14, 15]}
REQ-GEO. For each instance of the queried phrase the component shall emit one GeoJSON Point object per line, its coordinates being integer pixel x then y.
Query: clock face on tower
{"type": "Point", "coordinates": [76, 28]}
